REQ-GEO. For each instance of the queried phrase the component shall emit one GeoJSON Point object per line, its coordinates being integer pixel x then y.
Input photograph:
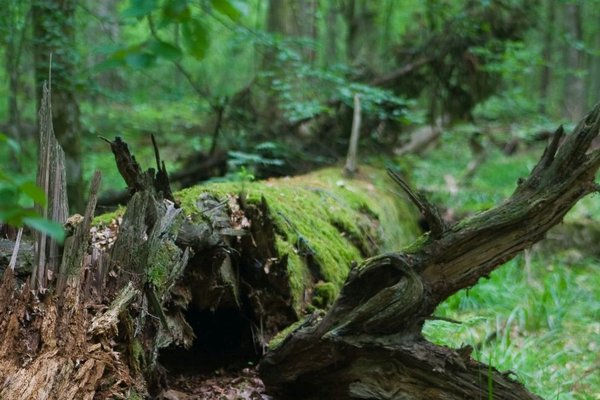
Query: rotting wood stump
{"type": "Point", "coordinates": [369, 344]}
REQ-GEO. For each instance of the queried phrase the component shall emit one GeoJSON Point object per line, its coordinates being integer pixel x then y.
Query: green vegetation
{"type": "Point", "coordinates": [537, 315]}
{"type": "Point", "coordinates": [19, 194]}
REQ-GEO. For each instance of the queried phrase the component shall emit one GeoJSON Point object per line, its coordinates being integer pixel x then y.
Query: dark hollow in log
{"type": "Point", "coordinates": [369, 344]}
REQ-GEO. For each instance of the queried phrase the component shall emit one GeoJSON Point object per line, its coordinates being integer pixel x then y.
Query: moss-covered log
{"type": "Point", "coordinates": [369, 344]}
{"type": "Point", "coordinates": [261, 253]}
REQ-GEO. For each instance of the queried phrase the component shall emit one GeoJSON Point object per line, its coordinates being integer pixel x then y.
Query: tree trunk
{"type": "Point", "coordinates": [331, 32]}
{"type": "Point", "coordinates": [106, 11]}
{"type": "Point", "coordinates": [369, 344]}
{"type": "Point", "coordinates": [54, 34]}
{"type": "Point", "coordinates": [265, 253]}
{"type": "Point", "coordinates": [362, 30]}
{"type": "Point", "coordinates": [574, 91]}
{"type": "Point", "coordinates": [16, 26]}
{"type": "Point", "coordinates": [548, 51]}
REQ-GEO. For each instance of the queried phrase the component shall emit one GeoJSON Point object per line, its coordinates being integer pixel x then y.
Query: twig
{"type": "Point", "coordinates": [428, 210]}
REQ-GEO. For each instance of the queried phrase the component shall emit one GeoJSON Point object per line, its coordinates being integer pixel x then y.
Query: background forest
{"type": "Point", "coordinates": [460, 95]}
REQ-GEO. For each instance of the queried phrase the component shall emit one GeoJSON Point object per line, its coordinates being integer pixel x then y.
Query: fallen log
{"type": "Point", "coordinates": [157, 281]}
{"type": "Point", "coordinates": [369, 344]}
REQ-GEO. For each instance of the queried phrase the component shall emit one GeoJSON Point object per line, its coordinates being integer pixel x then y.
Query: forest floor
{"type": "Point", "coordinates": [222, 384]}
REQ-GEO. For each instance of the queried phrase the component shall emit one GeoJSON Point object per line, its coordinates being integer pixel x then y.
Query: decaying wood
{"type": "Point", "coordinates": [431, 214]}
{"type": "Point", "coordinates": [127, 165]}
{"type": "Point", "coordinates": [198, 169]}
{"type": "Point", "coordinates": [76, 246]}
{"type": "Point", "coordinates": [13, 258]}
{"type": "Point", "coordinates": [369, 344]}
{"type": "Point", "coordinates": [51, 178]}
{"type": "Point", "coordinates": [351, 161]}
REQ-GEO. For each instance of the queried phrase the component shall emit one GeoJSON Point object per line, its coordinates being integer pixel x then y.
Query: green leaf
{"type": "Point", "coordinates": [5, 178]}
{"type": "Point", "coordinates": [14, 216]}
{"type": "Point", "coordinates": [8, 197]}
{"type": "Point", "coordinates": [52, 229]}
{"type": "Point", "coordinates": [13, 144]}
{"type": "Point", "coordinates": [164, 50]}
{"type": "Point", "coordinates": [226, 8]}
{"type": "Point", "coordinates": [176, 11]}
{"type": "Point", "coordinates": [140, 60]}
{"type": "Point", "coordinates": [34, 192]}
{"type": "Point", "coordinates": [140, 8]}
{"type": "Point", "coordinates": [195, 38]}
{"type": "Point", "coordinates": [109, 63]}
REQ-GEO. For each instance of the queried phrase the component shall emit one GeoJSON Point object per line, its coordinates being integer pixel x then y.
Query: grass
{"type": "Point", "coordinates": [539, 314]}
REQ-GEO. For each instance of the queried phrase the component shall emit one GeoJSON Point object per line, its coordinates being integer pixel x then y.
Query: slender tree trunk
{"type": "Point", "coordinates": [294, 19]}
{"type": "Point", "coordinates": [362, 32]}
{"type": "Point", "coordinates": [14, 116]}
{"type": "Point", "coordinates": [108, 28]}
{"type": "Point", "coordinates": [387, 30]}
{"type": "Point", "coordinates": [549, 33]}
{"type": "Point", "coordinates": [574, 92]}
{"type": "Point", "coordinates": [16, 27]}
{"type": "Point", "coordinates": [593, 78]}
{"type": "Point", "coordinates": [306, 26]}
{"type": "Point", "coordinates": [331, 33]}
{"type": "Point", "coordinates": [54, 33]}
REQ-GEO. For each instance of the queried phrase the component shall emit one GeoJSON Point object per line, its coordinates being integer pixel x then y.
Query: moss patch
{"type": "Point", "coordinates": [324, 294]}
{"type": "Point", "coordinates": [323, 222]}
{"type": "Point", "coordinates": [108, 218]}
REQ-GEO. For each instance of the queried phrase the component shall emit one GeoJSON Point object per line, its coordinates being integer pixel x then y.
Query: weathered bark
{"type": "Point", "coordinates": [369, 344]}
{"type": "Point", "coordinates": [50, 178]}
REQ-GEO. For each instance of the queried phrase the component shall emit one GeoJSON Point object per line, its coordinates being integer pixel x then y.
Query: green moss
{"type": "Point", "coordinates": [138, 359]}
{"type": "Point", "coordinates": [324, 294]}
{"type": "Point", "coordinates": [279, 338]}
{"type": "Point", "coordinates": [106, 219]}
{"type": "Point", "coordinates": [134, 395]}
{"type": "Point", "coordinates": [324, 218]}
{"type": "Point", "coordinates": [297, 271]}
{"type": "Point", "coordinates": [162, 262]}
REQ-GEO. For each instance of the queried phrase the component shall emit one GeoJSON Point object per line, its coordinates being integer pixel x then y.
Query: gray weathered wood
{"type": "Point", "coordinates": [51, 178]}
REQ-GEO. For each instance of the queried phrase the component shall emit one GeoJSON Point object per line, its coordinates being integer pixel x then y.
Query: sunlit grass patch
{"type": "Point", "coordinates": [540, 321]}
